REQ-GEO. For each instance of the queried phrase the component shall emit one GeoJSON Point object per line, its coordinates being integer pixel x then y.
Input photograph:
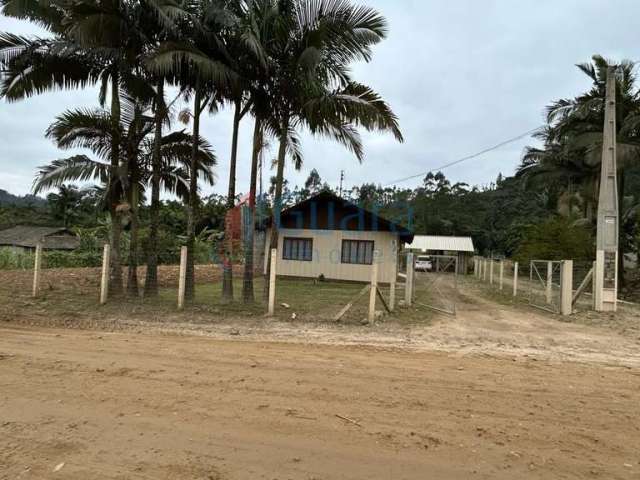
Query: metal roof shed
{"type": "Point", "coordinates": [462, 247]}
{"type": "Point", "coordinates": [427, 243]}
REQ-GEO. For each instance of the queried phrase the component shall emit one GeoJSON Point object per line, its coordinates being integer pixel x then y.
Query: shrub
{"type": "Point", "coordinates": [555, 239]}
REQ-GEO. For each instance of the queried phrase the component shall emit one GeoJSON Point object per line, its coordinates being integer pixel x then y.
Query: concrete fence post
{"type": "Point", "coordinates": [484, 270]}
{"type": "Point", "coordinates": [501, 274]}
{"type": "Point", "coordinates": [37, 266]}
{"type": "Point", "coordinates": [373, 292]}
{"type": "Point", "coordinates": [104, 279]}
{"type": "Point", "coordinates": [491, 262]}
{"type": "Point", "coordinates": [182, 279]}
{"type": "Point", "coordinates": [515, 279]}
{"type": "Point", "coordinates": [549, 291]}
{"type": "Point", "coordinates": [272, 283]}
{"type": "Point", "coordinates": [566, 287]}
{"type": "Point", "coordinates": [392, 296]}
{"type": "Point", "coordinates": [594, 285]}
{"type": "Point", "coordinates": [408, 286]}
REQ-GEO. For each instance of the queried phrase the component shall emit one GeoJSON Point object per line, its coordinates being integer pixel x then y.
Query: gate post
{"type": "Point", "coordinates": [484, 274]}
{"type": "Point", "coordinates": [549, 292]}
{"type": "Point", "coordinates": [566, 287]}
{"type": "Point", "coordinates": [515, 279]}
{"type": "Point", "coordinates": [501, 274]}
{"type": "Point", "coordinates": [408, 284]}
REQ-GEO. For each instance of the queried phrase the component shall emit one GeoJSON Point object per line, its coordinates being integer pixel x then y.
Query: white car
{"type": "Point", "coordinates": [423, 264]}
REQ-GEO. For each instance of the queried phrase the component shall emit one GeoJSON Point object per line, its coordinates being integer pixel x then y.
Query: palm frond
{"type": "Point", "coordinates": [78, 168]}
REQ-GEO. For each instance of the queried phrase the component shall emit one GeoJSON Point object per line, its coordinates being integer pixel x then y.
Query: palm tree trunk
{"type": "Point", "coordinates": [132, 277]}
{"type": "Point", "coordinates": [151, 281]}
{"type": "Point", "coordinates": [247, 284]}
{"type": "Point", "coordinates": [277, 200]}
{"type": "Point", "coordinates": [192, 210]}
{"type": "Point", "coordinates": [114, 191]}
{"type": "Point", "coordinates": [227, 264]}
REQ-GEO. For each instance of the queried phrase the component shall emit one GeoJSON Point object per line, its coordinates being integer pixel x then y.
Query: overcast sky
{"type": "Point", "coordinates": [461, 75]}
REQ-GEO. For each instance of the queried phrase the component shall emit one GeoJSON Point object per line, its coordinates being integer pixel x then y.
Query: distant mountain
{"type": "Point", "coordinates": [7, 198]}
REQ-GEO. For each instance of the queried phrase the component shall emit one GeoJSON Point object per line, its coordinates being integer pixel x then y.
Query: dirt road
{"type": "Point", "coordinates": [125, 406]}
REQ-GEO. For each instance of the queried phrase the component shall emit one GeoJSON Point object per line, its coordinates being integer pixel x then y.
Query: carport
{"type": "Point", "coordinates": [462, 247]}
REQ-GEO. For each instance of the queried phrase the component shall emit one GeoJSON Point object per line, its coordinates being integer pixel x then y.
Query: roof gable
{"type": "Point", "coordinates": [327, 211]}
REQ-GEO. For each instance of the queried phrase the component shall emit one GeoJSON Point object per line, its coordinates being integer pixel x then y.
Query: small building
{"type": "Point", "coordinates": [26, 238]}
{"type": "Point", "coordinates": [328, 236]}
{"type": "Point", "coordinates": [462, 247]}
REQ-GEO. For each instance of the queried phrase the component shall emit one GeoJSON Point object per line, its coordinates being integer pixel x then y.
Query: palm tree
{"type": "Point", "coordinates": [65, 203]}
{"type": "Point", "coordinates": [313, 45]}
{"type": "Point", "coordinates": [93, 130]}
{"type": "Point", "coordinates": [198, 64]}
{"type": "Point", "coordinates": [573, 137]}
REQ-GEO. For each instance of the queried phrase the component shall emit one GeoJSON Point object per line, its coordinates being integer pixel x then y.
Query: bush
{"type": "Point", "coordinates": [555, 239]}
{"type": "Point", "coordinates": [14, 259]}
{"type": "Point", "coordinates": [56, 259]}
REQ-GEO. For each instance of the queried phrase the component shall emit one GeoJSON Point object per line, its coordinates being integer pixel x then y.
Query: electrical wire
{"type": "Point", "coordinates": [464, 159]}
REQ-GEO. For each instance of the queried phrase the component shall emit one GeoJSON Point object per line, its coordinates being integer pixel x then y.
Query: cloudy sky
{"type": "Point", "coordinates": [462, 76]}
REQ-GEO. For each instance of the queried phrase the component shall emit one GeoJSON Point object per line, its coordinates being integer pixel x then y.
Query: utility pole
{"type": "Point", "coordinates": [606, 272]}
{"type": "Point", "coordinates": [341, 181]}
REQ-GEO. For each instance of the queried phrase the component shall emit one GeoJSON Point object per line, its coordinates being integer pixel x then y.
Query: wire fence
{"type": "Point", "coordinates": [538, 282]}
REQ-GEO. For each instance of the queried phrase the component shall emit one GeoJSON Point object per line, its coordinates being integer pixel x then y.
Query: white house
{"type": "Point", "coordinates": [329, 236]}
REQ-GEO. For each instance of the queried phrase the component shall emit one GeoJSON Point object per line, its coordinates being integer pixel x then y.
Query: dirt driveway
{"type": "Point", "coordinates": [125, 406]}
{"type": "Point", "coordinates": [501, 391]}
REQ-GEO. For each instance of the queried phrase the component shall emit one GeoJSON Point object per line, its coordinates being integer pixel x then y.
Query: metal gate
{"type": "Point", "coordinates": [436, 284]}
{"type": "Point", "coordinates": [544, 285]}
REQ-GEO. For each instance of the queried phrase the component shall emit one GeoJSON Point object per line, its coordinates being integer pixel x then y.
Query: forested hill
{"type": "Point", "coordinates": [7, 198]}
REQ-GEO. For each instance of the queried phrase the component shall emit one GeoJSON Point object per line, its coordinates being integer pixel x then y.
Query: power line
{"type": "Point", "coordinates": [464, 159]}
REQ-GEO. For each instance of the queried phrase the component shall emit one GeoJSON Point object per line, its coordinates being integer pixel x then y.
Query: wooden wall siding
{"type": "Point", "coordinates": [327, 251]}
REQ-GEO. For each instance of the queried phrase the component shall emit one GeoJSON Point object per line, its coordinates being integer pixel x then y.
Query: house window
{"type": "Point", "coordinates": [300, 249]}
{"type": "Point", "coordinates": [359, 252]}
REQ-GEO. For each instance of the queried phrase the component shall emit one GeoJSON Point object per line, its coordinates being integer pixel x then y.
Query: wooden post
{"type": "Point", "coordinates": [37, 265]}
{"type": "Point", "coordinates": [272, 283]}
{"type": "Point", "coordinates": [392, 296]}
{"type": "Point", "coordinates": [408, 286]}
{"type": "Point", "coordinates": [104, 283]}
{"type": "Point", "coordinates": [484, 268]}
{"type": "Point", "coordinates": [501, 274]}
{"type": "Point", "coordinates": [566, 287]}
{"type": "Point", "coordinates": [549, 282]}
{"type": "Point", "coordinates": [515, 279]}
{"type": "Point", "coordinates": [373, 292]}
{"type": "Point", "coordinates": [182, 280]}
